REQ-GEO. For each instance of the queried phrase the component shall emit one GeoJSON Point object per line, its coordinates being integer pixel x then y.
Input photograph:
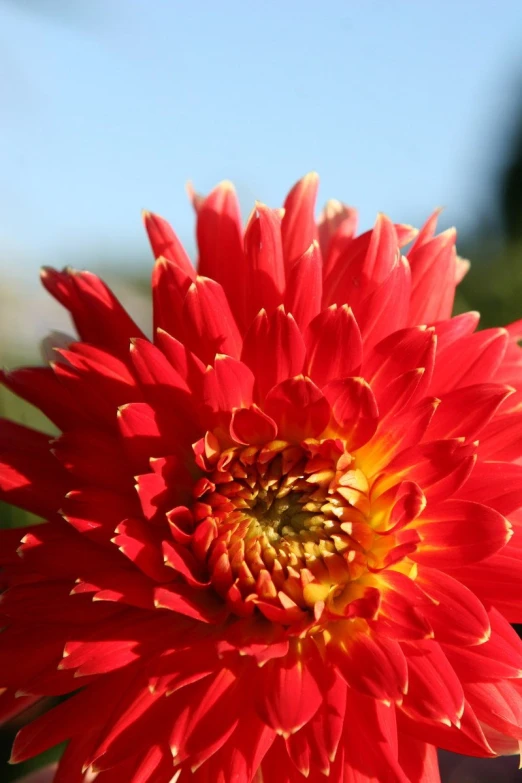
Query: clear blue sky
{"type": "Point", "coordinates": [401, 105]}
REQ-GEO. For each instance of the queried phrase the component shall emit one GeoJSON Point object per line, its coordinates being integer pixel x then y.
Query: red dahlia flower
{"type": "Point", "coordinates": [277, 541]}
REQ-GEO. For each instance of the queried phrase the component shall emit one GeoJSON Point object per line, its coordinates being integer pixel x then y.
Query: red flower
{"type": "Point", "coordinates": [277, 543]}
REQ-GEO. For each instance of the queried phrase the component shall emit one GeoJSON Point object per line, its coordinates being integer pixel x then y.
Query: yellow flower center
{"type": "Point", "coordinates": [292, 528]}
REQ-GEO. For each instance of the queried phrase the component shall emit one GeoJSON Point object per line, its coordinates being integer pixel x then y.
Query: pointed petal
{"type": "Point", "coordinates": [164, 242]}
{"type": "Point", "coordinates": [434, 690]}
{"type": "Point", "coordinates": [337, 222]}
{"type": "Point", "coordinates": [399, 353]}
{"type": "Point", "coordinates": [433, 264]}
{"type": "Point", "coordinates": [98, 316]}
{"type": "Point", "coordinates": [210, 325]}
{"type": "Point", "coordinates": [287, 694]}
{"type": "Point", "coordinates": [170, 284]}
{"type": "Point", "coordinates": [372, 664]}
{"type": "Point", "coordinates": [298, 226]}
{"type": "Point", "coordinates": [274, 350]}
{"type": "Point", "coordinates": [456, 614]}
{"type": "Point", "coordinates": [464, 412]}
{"type": "Point", "coordinates": [472, 359]}
{"type": "Point", "coordinates": [458, 532]}
{"type": "Point", "coordinates": [305, 287]}
{"type": "Point", "coordinates": [334, 345]}
{"type": "Point", "coordinates": [228, 384]}
{"type": "Point", "coordinates": [265, 271]}
{"type": "Point", "coordinates": [383, 310]}
{"type": "Point", "coordinates": [220, 244]}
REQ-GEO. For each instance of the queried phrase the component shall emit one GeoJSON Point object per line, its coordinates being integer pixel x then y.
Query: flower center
{"type": "Point", "coordinates": [287, 529]}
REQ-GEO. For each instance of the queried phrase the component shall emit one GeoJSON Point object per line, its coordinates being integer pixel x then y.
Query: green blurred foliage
{"type": "Point", "coordinates": [493, 285]}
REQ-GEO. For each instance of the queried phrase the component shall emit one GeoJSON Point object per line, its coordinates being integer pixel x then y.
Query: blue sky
{"type": "Point", "coordinates": [401, 105]}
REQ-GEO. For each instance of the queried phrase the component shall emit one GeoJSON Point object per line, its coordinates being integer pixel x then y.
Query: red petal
{"type": "Point", "coordinates": [395, 434]}
{"type": "Point", "coordinates": [497, 704]}
{"type": "Point", "coordinates": [252, 426]}
{"type": "Point", "coordinates": [94, 457]}
{"type": "Point", "coordinates": [170, 283]}
{"type": "Point", "coordinates": [220, 244]}
{"type": "Point", "coordinates": [383, 311]}
{"type": "Point", "coordinates": [498, 658]}
{"type": "Point", "coordinates": [370, 748]}
{"type": "Point", "coordinates": [227, 385]}
{"type": "Point", "coordinates": [96, 512]}
{"type": "Point", "coordinates": [240, 758]}
{"type": "Point", "coordinates": [354, 409]}
{"type": "Point", "coordinates": [418, 760]}
{"type": "Point", "coordinates": [501, 438]}
{"type": "Point", "coordinates": [472, 359]}
{"type": "Point", "coordinates": [468, 740]}
{"type": "Point", "coordinates": [305, 286]}
{"type": "Point", "coordinates": [265, 270]}
{"type": "Point", "coordinates": [458, 532]}
{"type": "Point", "coordinates": [30, 477]}
{"type": "Point", "coordinates": [439, 467]}
{"type": "Point", "coordinates": [334, 345]}
{"type": "Point", "coordinates": [372, 664]}
{"type": "Point", "coordinates": [496, 484]}
{"type": "Point", "coordinates": [434, 690]}
{"type": "Point", "coordinates": [365, 263]}
{"type": "Point", "coordinates": [433, 265]}
{"type": "Point", "coordinates": [400, 352]}
{"type": "Point", "coordinates": [184, 362]}
{"type": "Point", "coordinates": [452, 329]}
{"type": "Point", "coordinates": [287, 694]}
{"type": "Point", "coordinates": [164, 242]}
{"type": "Point", "coordinates": [298, 408]}
{"type": "Point", "coordinates": [143, 437]}
{"type": "Point", "coordinates": [337, 224]}
{"type": "Point", "coordinates": [70, 717]}
{"type": "Point", "coordinates": [298, 226]}
{"type": "Point", "coordinates": [41, 387]}
{"type": "Point", "coordinates": [456, 616]}
{"type": "Point", "coordinates": [98, 316]}
{"type": "Point", "coordinates": [210, 327]}
{"type": "Point", "coordinates": [400, 611]}
{"type": "Point", "coordinates": [497, 580]}
{"type": "Point", "coordinates": [182, 561]}
{"type": "Point", "coordinates": [273, 349]}
{"type": "Point", "coordinates": [141, 544]}
{"type": "Point", "coordinates": [315, 745]}
{"type": "Point", "coordinates": [464, 412]}
{"type": "Point", "coordinates": [199, 604]}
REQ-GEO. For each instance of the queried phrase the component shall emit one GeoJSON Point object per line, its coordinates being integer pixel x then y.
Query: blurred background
{"type": "Point", "coordinates": [110, 106]}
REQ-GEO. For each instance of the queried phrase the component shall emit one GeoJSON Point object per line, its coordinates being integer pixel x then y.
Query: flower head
{"type": "Point", "coordinates": [279, 533]}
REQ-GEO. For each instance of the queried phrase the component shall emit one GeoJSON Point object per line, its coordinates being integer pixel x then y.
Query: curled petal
{"type": "Point", "coordinates": [252, 426]}
{"type": "Point", "coordinates": [354, 409]}
{"type": "Point", "coordinates": [299, 409]}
